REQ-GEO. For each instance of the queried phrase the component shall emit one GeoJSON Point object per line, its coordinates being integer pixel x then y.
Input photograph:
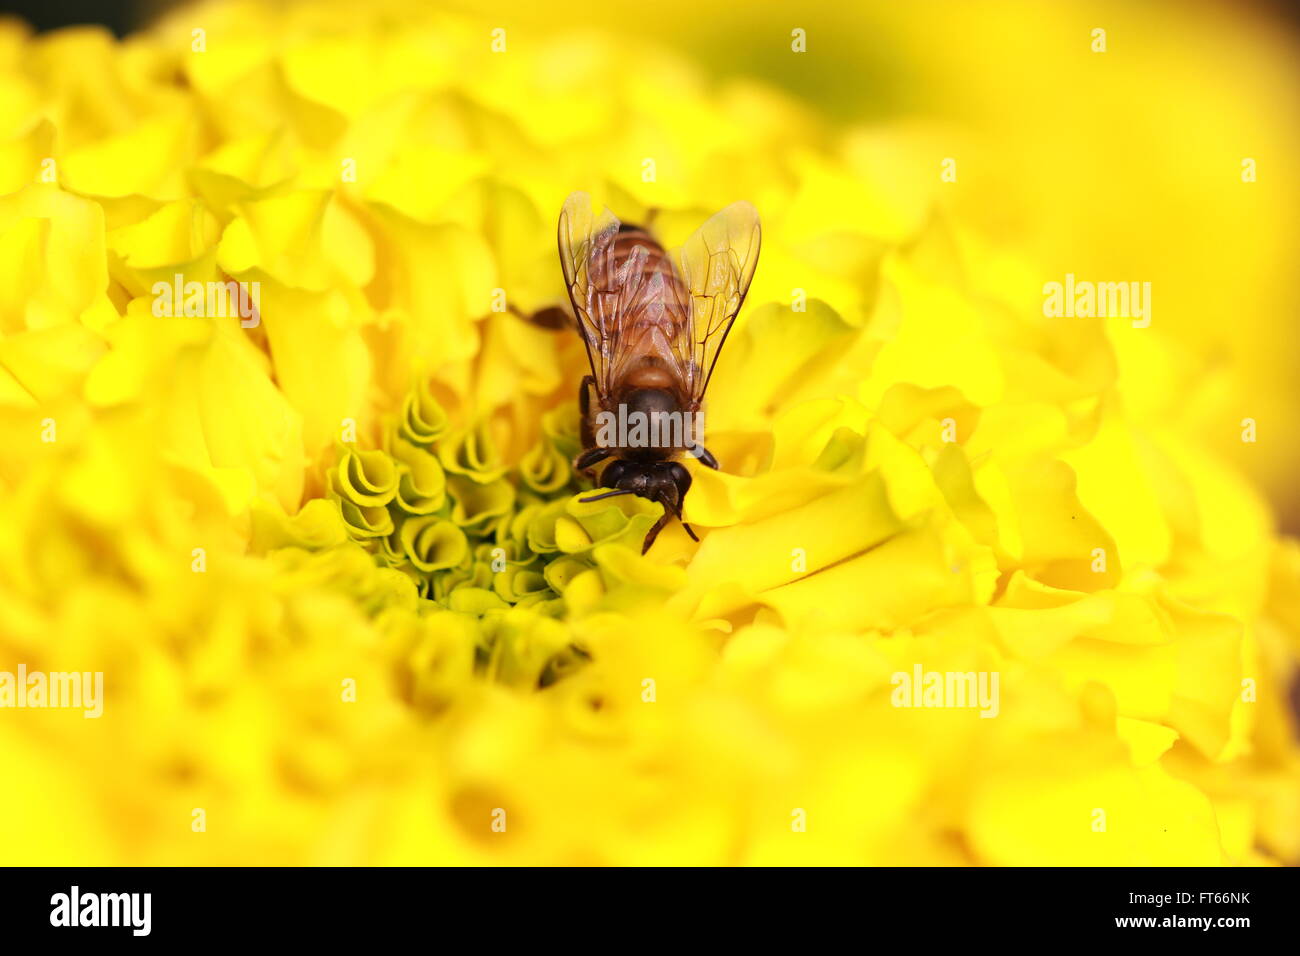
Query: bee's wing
{"type": "Point", "coordinates": [716, 264]}
{"type": "Point", "coordinates": [605, 297]}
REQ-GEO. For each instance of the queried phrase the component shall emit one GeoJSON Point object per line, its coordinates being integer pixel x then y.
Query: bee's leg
{"type": "Point", "coordinates": [705, 457]}
{"type": "Point", "coordinates": [673, 493]}
{"type": "Point", "coordinates": [677, 510]}
{"type": "Point", "coordinates": [655, 529]}
{"type": "Point", "coordinates": [671, 509]}
{"type": "Point", "coordinates": [551, 318]}
{"type": "Point", "coordinates": [590, 458]}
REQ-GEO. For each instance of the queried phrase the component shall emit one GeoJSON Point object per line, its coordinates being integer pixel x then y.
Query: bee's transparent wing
{"type": "Point", "coordinates": [605, 296]}
{"type": "Point", "coordinates": [716, 263]}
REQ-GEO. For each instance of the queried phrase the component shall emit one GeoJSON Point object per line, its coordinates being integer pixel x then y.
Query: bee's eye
{"type": "Point", "coordinates": [614, 474]}
{"type": "Point", "coordinates": [680, 476]}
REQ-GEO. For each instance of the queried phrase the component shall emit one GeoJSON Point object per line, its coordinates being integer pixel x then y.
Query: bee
{"type": "Point", "coordinates": [653, 325]}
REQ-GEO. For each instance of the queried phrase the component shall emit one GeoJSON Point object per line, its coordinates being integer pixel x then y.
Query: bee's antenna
{"type": "Point", "coordinates": [689, 531]}
{"type": "Point", "coordinates": [608, 494]}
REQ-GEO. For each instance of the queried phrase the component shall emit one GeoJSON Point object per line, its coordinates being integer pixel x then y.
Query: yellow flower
{"type": "Point", "coordinates": [336, 568]}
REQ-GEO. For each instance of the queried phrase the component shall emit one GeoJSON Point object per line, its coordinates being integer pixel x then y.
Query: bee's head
{"type": "Point", "coordinates": [664, 481]}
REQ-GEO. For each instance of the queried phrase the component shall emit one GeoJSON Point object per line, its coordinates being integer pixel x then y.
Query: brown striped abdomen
{"type": "Point", "coordinates": [644, 365]}
{"type": "Point", "coordinates": [657, 259]}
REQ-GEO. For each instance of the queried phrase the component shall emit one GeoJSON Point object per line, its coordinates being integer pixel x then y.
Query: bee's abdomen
{"type": "Point", "coordinates": [657, 260]}
{"type": "Point", "coordinates": [654, 315]}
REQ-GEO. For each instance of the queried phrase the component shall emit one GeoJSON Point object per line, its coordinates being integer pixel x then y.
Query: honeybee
{"type": "Point", "coordinates": [653, 325]}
